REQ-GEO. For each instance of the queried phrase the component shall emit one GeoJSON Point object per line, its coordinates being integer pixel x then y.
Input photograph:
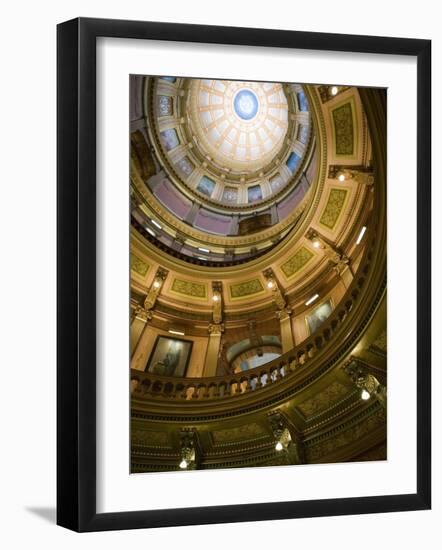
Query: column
{"type": "Point", "coordinates": [137, 327]}
{"type": "Point", "coordinates": [347, 276]}
{"type": "Point", "coordinates": [211, 363]}
{"type": "Point", "coordinates": [191, 215]}
{"type": "Point", "coordinates": [283, 312]}
{"type": "Point", "coordinates": [287, 340]}
{"type": "Point", "coordinates": [144, 314]}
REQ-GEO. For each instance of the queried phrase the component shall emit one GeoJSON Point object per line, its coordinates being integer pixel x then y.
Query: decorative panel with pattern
{"type": "Point", "coordinates": [344, 129]}
{"type": "Point", "coordinates": [190, 288]}
{"type": "Point", "coordinates": [138, 265]}
{"type": "Point", "coordinates": [333, 207]}
{"type": "Point", "coordinates": [241, 290]}
{"type": "Point", "coordinates": [297, 261]}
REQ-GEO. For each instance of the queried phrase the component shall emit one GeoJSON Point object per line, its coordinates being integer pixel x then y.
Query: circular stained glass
{"type": "Point", "coordinates": [245, 104]}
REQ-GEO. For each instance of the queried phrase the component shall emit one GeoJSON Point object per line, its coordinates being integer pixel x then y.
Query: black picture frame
{"type": "Point", "coordinates": [76, 272]}
{"type": "Point", "coordinates": [155, 348]}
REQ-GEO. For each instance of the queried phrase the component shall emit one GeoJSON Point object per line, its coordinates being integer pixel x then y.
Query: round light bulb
{"type": "Point", "coordinates": [365, 395]}
{"type": "Point", "coordinates": [270, 284]}
{"type": "Point", "coordinates": [156, 284]}
{"type": "Point", "coordinates": [279, 446]}
{"type": "Point", "coordinates": [316, 244]}
{"type": "Point", "coordinates": [183, 464]}
{"type": "Point", "coordinates": [334, 90]}
{"type": "Point", "coordinates": [215, 298]}
{"type": "Point", "coordinates": [341, 177]}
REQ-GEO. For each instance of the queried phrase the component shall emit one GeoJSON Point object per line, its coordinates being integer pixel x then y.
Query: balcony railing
{"type": "Point", "coordinates": [336, 330]}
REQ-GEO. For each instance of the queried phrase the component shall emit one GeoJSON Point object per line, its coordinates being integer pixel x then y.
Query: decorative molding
{"type": "Point", "coordinates": [147, 438]}
{"type": "Point", "coordinates": [243, 433]}
{"type": "Point", "coordinates": [354, 433]}
{"type": "Point", "coordinates": [328, 397]}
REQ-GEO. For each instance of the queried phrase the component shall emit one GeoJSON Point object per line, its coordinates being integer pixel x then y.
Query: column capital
{"type": "Point", "coordinates": [283, 314]}
{"type": "Point", "coordinates": [142, 314]}
{"type": "Point", "coordinates": [216, 328]}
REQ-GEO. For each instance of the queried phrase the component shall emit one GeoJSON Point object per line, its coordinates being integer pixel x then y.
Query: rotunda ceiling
{"type": "Point", "coordinates": [240, 125]}
{"type": "Point", "coordinates": [232, 145]}
{"type": "Point", "coordinates": [232, 165]}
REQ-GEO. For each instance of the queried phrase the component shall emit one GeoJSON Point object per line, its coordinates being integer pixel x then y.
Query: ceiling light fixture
{"type": "Point", "coordinates": [279, 446]}
{"type": "Point", "coordinates": [202, 258]}
{"type": "Point", "coordinates": [183, 464]}
{"type": "Point", "coordinates": [149, 230]}
{"type": "Point", "coordinates": [341, 177]}
{"type": "Point", "coordinates": [156, 224]}
{"type": "Point", "coordinates": [334, 90]}
{"type": "Point", "coordinates": [312, 299]}
{"type": "Point", "coordinates": [270, 284]}
{"type": "Point", "coordinates": [176, 332]}
{"type": "Point", "coordinates": [156, 284]}
{"type": "Point", "coordinates": [316, 244]}
{"type": "Point", "coordinates": [361, 234]}
{"type": "Point", "coordinates": [215, 297]}
{"type": "Point", "coordinates": [204, 250]}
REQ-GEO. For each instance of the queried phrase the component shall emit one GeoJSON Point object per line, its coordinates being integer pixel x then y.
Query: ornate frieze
{"type": "Point", "coordinates": [241, 433]}
{"type": "Point", "coordinates": [324, 399]}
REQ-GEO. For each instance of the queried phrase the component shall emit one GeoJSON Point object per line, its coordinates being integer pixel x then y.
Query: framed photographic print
{"type": "Point", "coordinates": [229, 225]}
{"type": "Point", "coordinates": [170, 356]}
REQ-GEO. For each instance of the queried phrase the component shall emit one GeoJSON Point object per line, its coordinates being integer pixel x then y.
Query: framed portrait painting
{"type": "Point", "coordinates": [319, 314]}
{"type": "Point", "coordinates": [170, 356]}
{"type": "Point", "coordinates": [227, 209]}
